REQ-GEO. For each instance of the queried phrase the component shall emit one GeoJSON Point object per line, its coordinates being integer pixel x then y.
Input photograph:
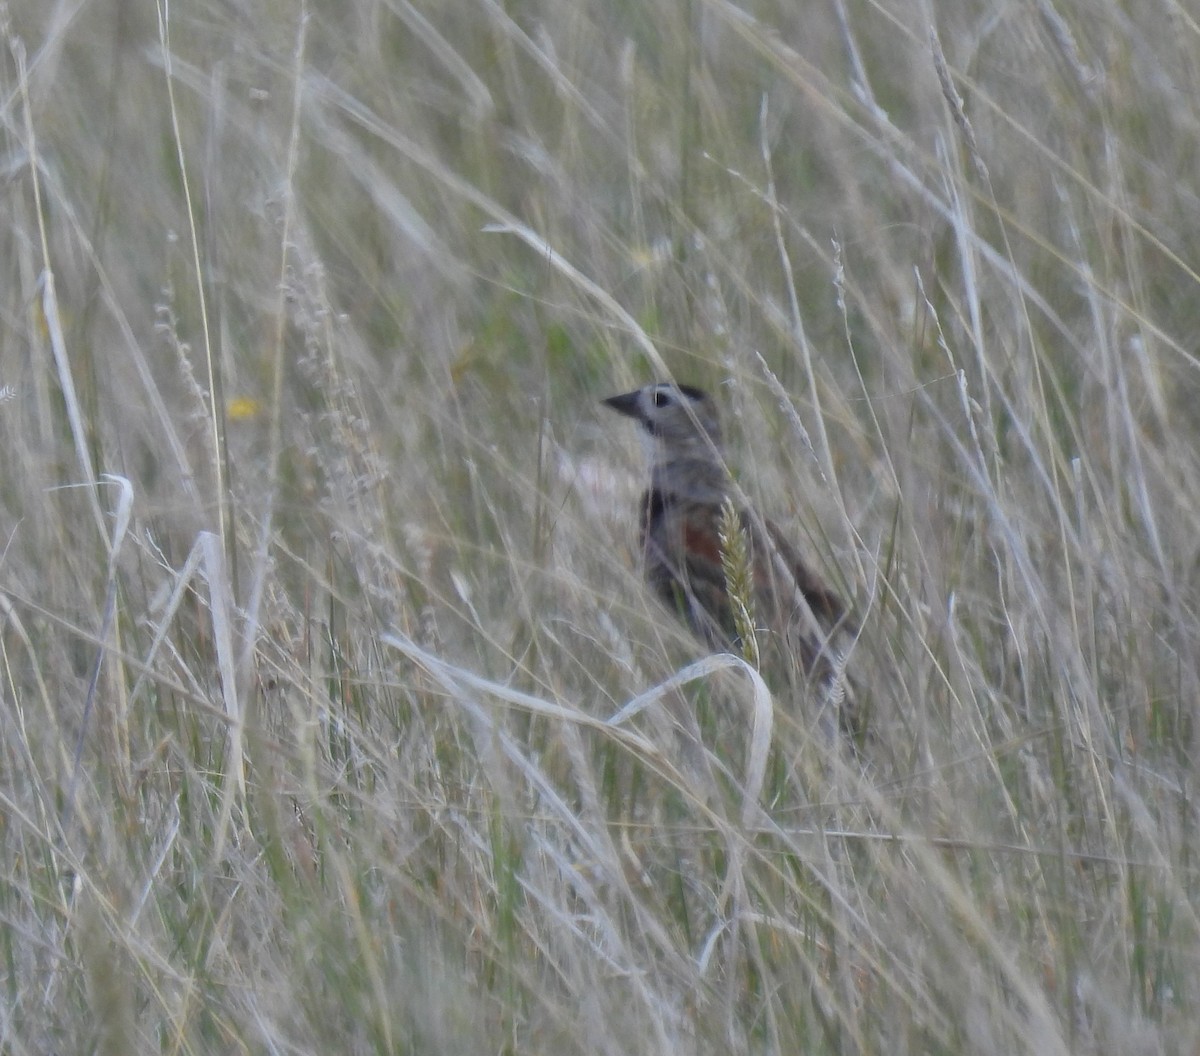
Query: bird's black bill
{"type": "Point", "coordinates": [627, 404]}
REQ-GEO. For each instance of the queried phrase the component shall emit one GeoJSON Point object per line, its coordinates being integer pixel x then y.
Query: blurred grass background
{"type": "Point", "coordinates": [319, 578]}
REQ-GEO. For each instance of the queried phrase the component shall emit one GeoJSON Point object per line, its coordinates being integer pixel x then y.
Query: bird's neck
{"type": "Point", "coordinates": [690, 477]}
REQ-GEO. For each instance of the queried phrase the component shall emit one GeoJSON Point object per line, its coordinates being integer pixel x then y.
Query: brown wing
{"type": "Point", "coordinates": [683, 563]}
{"type": "Point", "coordinates": [827, 606]}
{"type": "Point", "coordinates": [821, 649]}
{"type": "Point", "coordinates": [682, 558]}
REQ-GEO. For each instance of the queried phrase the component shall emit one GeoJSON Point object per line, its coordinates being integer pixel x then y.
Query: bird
{"type": "Point", "coordinates": [692, 527]}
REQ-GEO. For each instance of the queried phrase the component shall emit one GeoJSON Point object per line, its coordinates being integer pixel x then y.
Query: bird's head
{"type": "Point", "coordinates": [680, 420]}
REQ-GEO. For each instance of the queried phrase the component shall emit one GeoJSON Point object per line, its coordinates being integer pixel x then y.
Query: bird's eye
{"type": "Point", "coordinates": [662, 398]}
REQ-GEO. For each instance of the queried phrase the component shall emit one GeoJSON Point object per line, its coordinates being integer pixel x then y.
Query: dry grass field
{"type": "Point", "coordinates": [335, 715]}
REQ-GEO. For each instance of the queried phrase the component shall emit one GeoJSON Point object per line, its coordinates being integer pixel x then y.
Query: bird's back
{"type": "Point", "coordinates": [685, 560]}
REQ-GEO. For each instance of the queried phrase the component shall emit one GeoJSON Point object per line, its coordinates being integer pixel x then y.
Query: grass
{"type": "Point", "coordinates": [335, 715]}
